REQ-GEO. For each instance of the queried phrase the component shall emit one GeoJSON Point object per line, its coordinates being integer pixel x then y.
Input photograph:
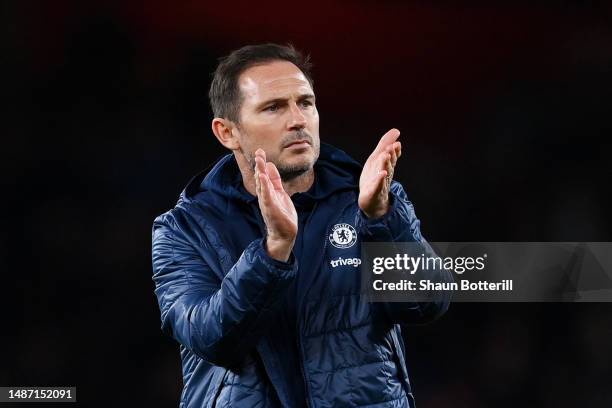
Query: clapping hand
{"type": "Point", "coordinates": [377, 174]}
{"type": "Point", "coordinates": [276, 208]}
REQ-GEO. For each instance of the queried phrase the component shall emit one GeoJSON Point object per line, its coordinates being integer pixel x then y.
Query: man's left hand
{"type": "Point", "coordinates": [376, 176]}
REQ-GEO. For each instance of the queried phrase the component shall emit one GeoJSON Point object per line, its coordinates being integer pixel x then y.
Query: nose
{"type": "Point", "coordinates": [297, 119]}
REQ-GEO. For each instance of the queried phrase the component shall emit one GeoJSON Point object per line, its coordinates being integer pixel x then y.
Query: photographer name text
{"type": "Point", "coordinates": [425, 285]}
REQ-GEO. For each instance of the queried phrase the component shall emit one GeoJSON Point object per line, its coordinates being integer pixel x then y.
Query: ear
{"type": "Point", "coordinates": [226, 132]}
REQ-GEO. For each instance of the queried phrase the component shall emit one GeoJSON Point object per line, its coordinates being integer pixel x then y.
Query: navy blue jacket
{"type": "Point", "coordinates": [257, 332]}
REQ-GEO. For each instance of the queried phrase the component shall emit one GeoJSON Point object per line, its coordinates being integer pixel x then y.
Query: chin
{"type": "Point", "coordinates": [297, 162]}
{"type": "Point", "coordinates": [294, 168]}
{"type": "Point", "coordinates": [305, 162]}
{"type": "Point", "coordinates": [302, 166]}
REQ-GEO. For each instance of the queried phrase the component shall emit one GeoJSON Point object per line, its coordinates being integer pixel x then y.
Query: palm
{"type": "Point", "coordinates": [283, 216]}
{"type": "Point", "coordinates": [377, 173]}
{"type": "Point", "coordinates": [275, 204]}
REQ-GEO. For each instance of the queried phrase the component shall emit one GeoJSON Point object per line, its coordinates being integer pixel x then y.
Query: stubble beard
{"type": "Point", "coordinates": [287, 172]}
{"type": "Point", "coordinates": [290, 172]}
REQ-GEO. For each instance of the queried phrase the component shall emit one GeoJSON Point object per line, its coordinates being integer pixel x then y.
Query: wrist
{"type": "Point", "coordinates": [279, 249]}
{"type": "Point", "coordinates": [377, 211]}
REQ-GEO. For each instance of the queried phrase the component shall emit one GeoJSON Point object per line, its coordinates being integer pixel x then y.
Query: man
{"type": "Point", "coordinates": [243, 265]}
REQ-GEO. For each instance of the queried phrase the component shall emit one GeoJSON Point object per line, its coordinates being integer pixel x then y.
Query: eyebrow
{"type": "Point", "coordinates": [283, 100]}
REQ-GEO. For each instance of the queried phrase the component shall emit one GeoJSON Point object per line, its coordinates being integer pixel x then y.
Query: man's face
{"type": "Point", "coordinates": [278, 114]}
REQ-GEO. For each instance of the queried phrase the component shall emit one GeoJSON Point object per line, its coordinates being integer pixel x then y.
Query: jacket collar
{"type": "Point", "coordinates": [334, 171]}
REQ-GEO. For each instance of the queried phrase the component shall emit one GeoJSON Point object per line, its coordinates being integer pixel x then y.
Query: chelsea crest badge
{"type": "Point", "coordinates": [343, 236]}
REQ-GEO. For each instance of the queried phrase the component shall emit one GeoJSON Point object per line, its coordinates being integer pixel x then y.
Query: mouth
{"type": "Point", "coordinates": [301, 143]}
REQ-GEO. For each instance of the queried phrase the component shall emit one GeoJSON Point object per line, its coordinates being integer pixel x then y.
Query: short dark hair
{"type": "Point", "coordinates": [224, 94]}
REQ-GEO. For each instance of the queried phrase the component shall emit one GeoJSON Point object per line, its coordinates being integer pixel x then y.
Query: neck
{"type": "Point", "coordinates": [299, 184]}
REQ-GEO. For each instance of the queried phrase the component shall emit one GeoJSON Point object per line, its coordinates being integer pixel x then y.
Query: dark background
{"type": "Point", "coordinates": [505, 112]}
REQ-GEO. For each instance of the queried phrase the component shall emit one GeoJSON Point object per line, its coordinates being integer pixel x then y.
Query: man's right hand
{"type": "Point", "coordinates": [276, 208]}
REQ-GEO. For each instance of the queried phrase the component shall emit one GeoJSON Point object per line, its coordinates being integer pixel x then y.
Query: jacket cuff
{"type": "Point", "coordinates": [376, 229]}
{"type": "Point", "coordinates": [279, 268]}
{"type": "Point", "coordinates": [399, 223]}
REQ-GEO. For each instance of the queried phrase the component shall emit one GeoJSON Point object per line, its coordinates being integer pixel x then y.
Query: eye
{"type": "Point", "coordinates": [307, 102]}
{"type": "Point", "coordinates": [271, 108]}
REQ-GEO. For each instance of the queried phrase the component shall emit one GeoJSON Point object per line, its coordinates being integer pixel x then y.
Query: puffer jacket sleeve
{"type": "Point", "coordinates": [400, 224]}
{"type": "Point", "coordinates": [219, 319]}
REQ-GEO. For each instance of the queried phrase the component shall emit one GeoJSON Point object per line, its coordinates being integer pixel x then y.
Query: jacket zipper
{"type": "Point", "coordinates": [299, 314]}
{"type": "Point", "coordinates": [300, 351]}
{"type": "Point", "coordinates": [261, 224]}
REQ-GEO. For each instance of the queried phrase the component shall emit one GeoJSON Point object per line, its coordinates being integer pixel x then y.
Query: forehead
{"type": "Point", "coordinates": [275, 79]}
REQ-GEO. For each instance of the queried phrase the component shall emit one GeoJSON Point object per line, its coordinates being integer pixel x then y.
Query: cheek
{"type": "Point", "coordinates": [314, 128]}
{"type": "Point", "coordinates": [314, 121]}
{"type": "Point", "coordinates": [256, 137]}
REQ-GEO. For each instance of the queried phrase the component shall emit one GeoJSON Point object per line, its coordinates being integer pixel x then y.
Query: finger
{"type": "Point", "coordinates": [261, 153]}
{"type": "Point", "coordinates": [270, 191]}
{"type": "Point", "coordinates": [274, 176]}
{"type": "Point", "coordinates": [379, 182]}
{"type": "Point", "coordinates": [258, 167]}
{"type": "Point", "coordinates": [261, 174]}
{"type": "Point", "coordinates": [388, 138]}
{"type": "Point", "coordinates": [382, 161]}
{"type": "Point", "coordinates": [382, 174]}
{"type": "Point", "coordinates": [389, 172]}
{"type": "Point", "coordinates": [257, 184]}
{"type": "Point", "coordinates": [260, 164]}
{"type": "Point", "coordinates": [265, 193]}
{"type": "Point", "coordinates": [393, 153]}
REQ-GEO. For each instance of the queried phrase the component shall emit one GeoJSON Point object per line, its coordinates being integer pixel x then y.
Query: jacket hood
{"type": "Point", "coordinates": [334, 171]}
